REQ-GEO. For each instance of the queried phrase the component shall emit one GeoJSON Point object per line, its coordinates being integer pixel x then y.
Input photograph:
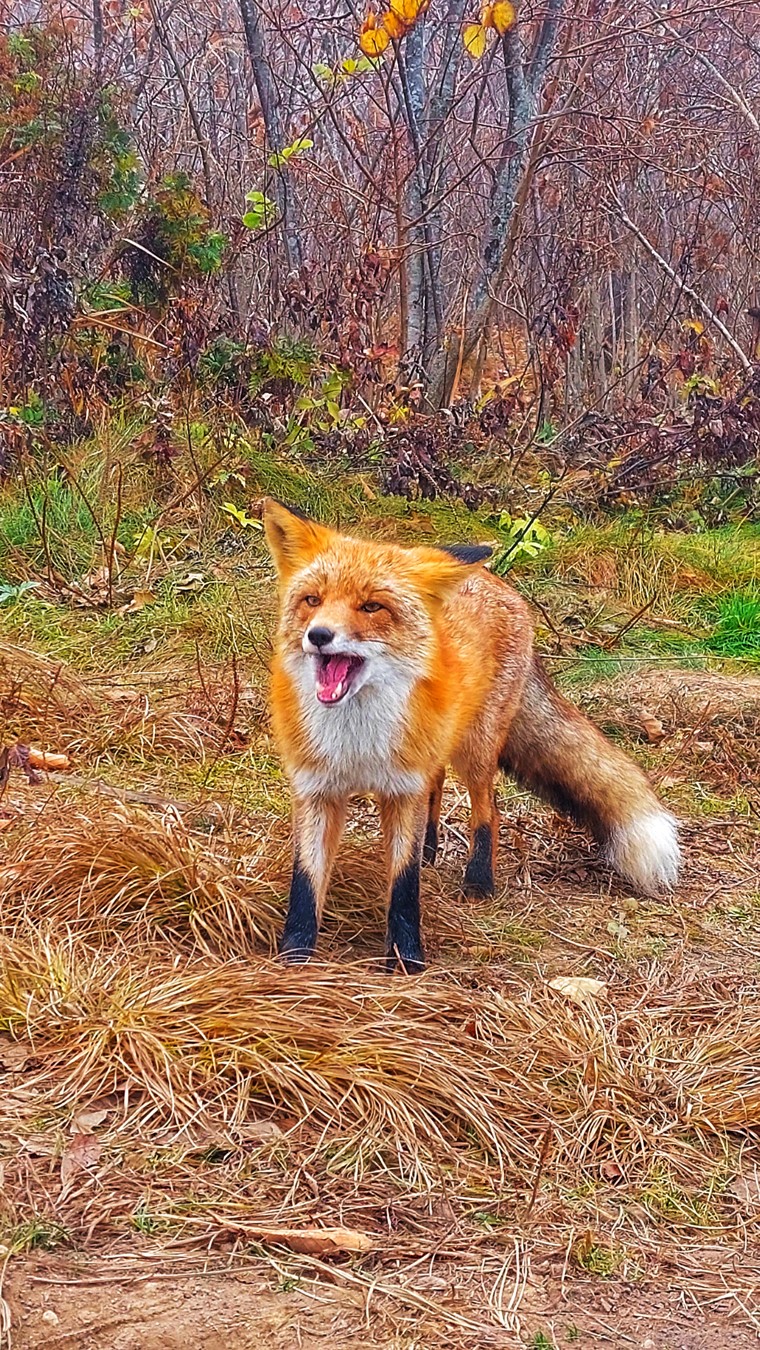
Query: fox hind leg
{"type": "Point", "coordinates": [484, 834]}
{"type": "Point", "coordinates": [317, 828]}
{"type": "Point", "coordinates": [430, 846]}
{"type": "Point", "coordinates": [403, 822]}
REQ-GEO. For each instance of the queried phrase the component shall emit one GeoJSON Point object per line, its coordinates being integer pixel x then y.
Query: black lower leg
{"type": "Point", "coordinates": [478, 877]}
{"type": "Point", "coordinates": [430, 846]}
{"type": "Point", "coordinates": [404, 940]}
{"type": "Point", "coordinates": [299, 937]}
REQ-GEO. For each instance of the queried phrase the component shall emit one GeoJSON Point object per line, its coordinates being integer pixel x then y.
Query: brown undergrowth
{"type": "Point", "coordinates": [465, 1110]}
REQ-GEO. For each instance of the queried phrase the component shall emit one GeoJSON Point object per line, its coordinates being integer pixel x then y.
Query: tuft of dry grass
{"type": "Point", "coordinates": [405, 1074]}
{"type": "Point", "coordinates": [114, 870]}
{"type": "Point", "coordinates": [44, 699]}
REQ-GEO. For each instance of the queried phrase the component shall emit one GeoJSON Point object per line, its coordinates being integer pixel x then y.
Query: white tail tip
{"type": "Point", "coordinates": [646, 852]}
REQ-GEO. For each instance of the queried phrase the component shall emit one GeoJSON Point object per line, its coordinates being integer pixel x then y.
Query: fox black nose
{"type": "Point", "coordinates": [319, 637]}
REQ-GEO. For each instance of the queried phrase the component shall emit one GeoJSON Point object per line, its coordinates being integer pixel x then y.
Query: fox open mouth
{"type": "Point", "coordinates": [335, 675]}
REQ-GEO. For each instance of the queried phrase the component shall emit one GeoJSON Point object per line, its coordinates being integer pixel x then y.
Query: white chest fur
{"type": "Point", "coordinates": [356, 742]}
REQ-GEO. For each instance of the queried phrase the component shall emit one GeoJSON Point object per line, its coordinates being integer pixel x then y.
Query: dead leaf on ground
{"type": "Point", "coordinates": [259, 1131]}
{"type": "Point", "coordinates": [39, 1145]}
{"type": "Point", "coordinates": [139, 600]}
{"type": "Point", "coordinates": [746, 1189]}
{"type": "Point", "coordinates": [82, 1151]}
{"type": "Point", "coordinates": [311, 1241]}
{"type": "Point", "coordinates": [652, 728]}
{"type": "Point", "coordinates": [13, 1054]}
{"type": "Point", "coordinates": [84, 1122]}
{"type": "Point", "coordinates": [579, 989]}
{"type": "Point", "coordinates": [47, 759]}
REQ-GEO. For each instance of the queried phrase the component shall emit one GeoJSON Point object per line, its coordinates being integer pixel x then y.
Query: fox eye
{"type": "Point", "coordinates": [312, 601]}
{"type": "Point", "coordinates": [371, 607]}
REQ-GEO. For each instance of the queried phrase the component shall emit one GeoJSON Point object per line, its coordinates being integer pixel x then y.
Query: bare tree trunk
{"type": "Point", "coordinates": [525, 83]}
{"type": "Point", "coordinates": [631, 330]}
{"type": "Point", "coordinates": [168, 46]}
{"type": "Point", "coordinates": [270, 112]}
{"type": "Point", "coordinates": [424, 303]}
{"type": "Point", "coordinates": [97, 31]}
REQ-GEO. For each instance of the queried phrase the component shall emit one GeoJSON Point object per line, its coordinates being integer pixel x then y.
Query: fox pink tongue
{"type": "Point", "coordinates": [332, 678]}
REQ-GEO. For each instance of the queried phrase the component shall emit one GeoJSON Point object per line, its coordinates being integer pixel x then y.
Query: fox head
{"type": "Point", "coordinates": [357, 614]}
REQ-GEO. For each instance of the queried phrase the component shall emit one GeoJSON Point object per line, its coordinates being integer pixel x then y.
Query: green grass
{"type": "Point", "coordinates": [737, 630]}
{"type": "Point", "coordinates": [37, 1233]}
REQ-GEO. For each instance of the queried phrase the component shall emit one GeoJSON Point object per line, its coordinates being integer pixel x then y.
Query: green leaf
{"type": "Point", "coordinates": [263, 212]}
{"type": "Point", "coordinates": [241, 517]}
{"type": "Point", "coordinates": [281, 157]}
{"type": "Point", "coordinates": [360, 65]}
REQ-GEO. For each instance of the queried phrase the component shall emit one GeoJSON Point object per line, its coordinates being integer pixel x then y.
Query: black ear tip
{"type": "Point", "coordinates": [468, 553]}
{"type": "Point", "coordinates": [291, 510]}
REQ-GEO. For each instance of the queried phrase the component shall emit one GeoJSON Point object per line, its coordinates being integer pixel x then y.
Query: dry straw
{"type": "Point", "coordinates": [406, 1073]}
{"type": "Point", "coordinates": [47, 699]}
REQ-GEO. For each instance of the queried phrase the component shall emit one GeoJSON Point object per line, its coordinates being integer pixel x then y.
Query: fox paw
{"type": "Point", "coordinates": [296, 949]}
{"type": "Point", "coordinates": [480, 889]}
{"type": "Point", "coordinates": [411, 960]}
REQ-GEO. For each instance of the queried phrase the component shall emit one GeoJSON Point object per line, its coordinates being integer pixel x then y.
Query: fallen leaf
{"type": "Point", "coordinates": [611, 1171]}
{"type": "Point", "coordinates": [194, 581]}
{"type": "Point", "coordinates": [579, 989]}
{"type": "Point", "coordinates": [746, 1189]}
{"type": "Point", "coordinates": [47, 759]}
{"type": "Point", "coordinates": [652, 728]}
{"type": "Point", "coordinates": [13, 1054]}
{"type": "Point", "coordinates": [617, 929]}
{"type": "Point", "coordinates": [39, 1145]}
{"type": "Point", "coordinates": [146, 647]}
{"type": "Point", "coordinates": [259, 1131]}
{"type": "Point", "coordinates": [83, 1150]}
{"type": "Point", "coordinates": [139, 600]}
{"type": "Point", "coordinates": [312, 1241]}
{"type": "Point", "coordinates": [84, 1122]}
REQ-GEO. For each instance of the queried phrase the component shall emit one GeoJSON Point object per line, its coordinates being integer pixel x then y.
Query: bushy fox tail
{"type": "Point", "coordinates": [555, 751]}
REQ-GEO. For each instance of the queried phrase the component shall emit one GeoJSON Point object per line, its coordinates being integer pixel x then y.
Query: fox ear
{"type": "Point", "coordinates": [468, 553]}
{"type": "Point", "coordinates": [293, 539]}
{"type": "Point", "coordinates": [438, 572]}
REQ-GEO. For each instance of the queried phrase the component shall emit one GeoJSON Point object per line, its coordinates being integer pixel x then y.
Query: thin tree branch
{"type": "Point", "coordinates": [687, 290]}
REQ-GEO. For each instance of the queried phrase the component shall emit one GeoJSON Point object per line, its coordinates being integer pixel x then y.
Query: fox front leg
{"type": "Point", "coordinates": [403, 821]}
{"type": "Point", "coordinates": [317, 828]}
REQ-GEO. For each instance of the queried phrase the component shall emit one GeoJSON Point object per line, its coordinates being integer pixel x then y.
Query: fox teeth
{"type": "Point", "coordinates": [337, 691]}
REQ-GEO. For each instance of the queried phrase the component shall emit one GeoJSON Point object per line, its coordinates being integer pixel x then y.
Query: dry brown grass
{"type": "Point", "coordinates": [45, 700]}
{"type": "Point", "coordinates": [411, 1074]}
{"type": "Point", "coordinates": [440, 1113]}
{"type": "Point", "coordinates": [114, 870]}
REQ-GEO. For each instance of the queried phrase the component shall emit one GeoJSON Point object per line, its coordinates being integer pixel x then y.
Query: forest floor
{"type": "Point", "coordinates": [201, 1148]}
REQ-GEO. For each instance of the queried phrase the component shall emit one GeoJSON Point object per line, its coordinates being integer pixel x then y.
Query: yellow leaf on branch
{"type": "Point", "coordinates": [406, 10]}
{"type": "Point", "coordinates": [394, 26]}
{"type": "Point", "coordinates": [503, 16]}
{"type": "Point", "coordinates": [373, 37]}
{"type": "Point", "coordinates": [474, 38]}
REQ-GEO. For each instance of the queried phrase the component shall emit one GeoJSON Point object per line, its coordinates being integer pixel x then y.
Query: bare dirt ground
{"type": "Point", "coordinates": [520, 1168]}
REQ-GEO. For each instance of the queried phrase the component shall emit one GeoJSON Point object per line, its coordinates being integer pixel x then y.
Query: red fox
{"type": "Point", "coordinates": [393, 663]}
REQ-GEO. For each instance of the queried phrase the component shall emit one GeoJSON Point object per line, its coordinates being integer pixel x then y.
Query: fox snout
{"type": "Point", "coordinates": [318, 639]}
